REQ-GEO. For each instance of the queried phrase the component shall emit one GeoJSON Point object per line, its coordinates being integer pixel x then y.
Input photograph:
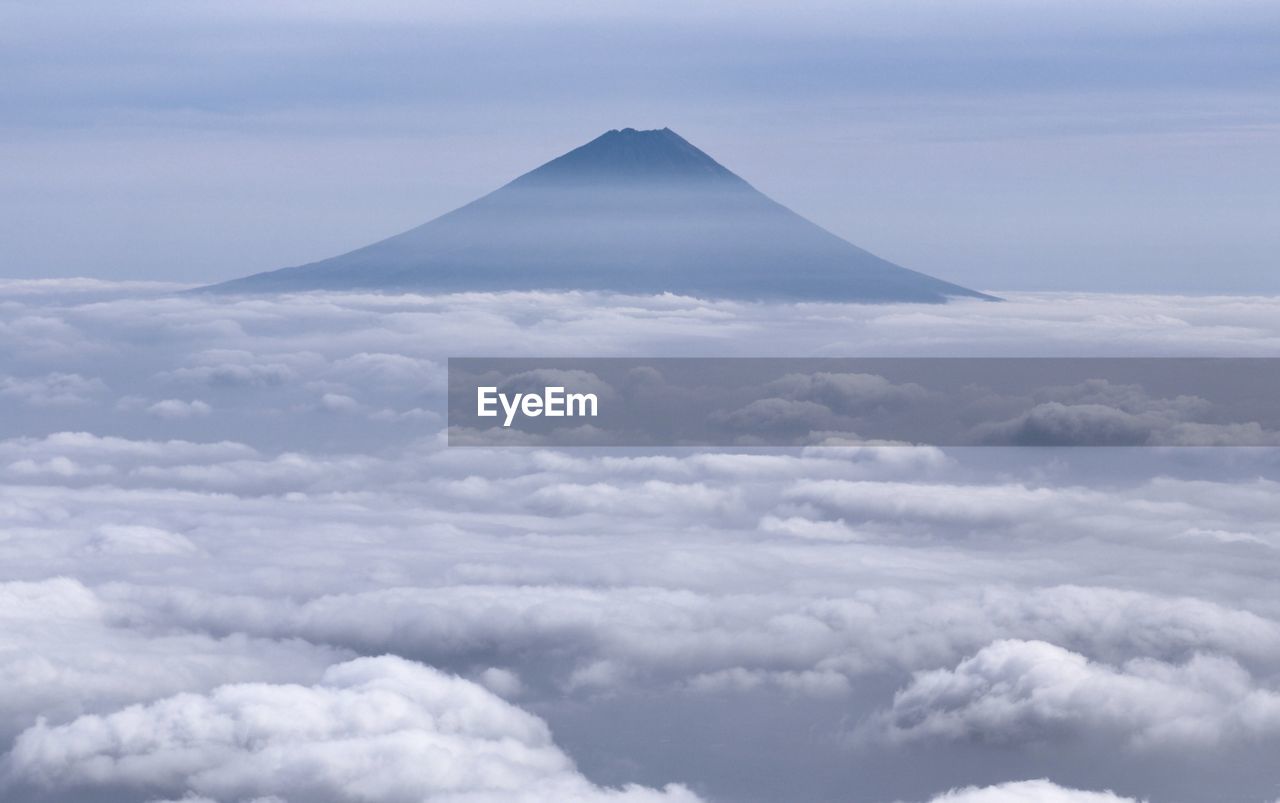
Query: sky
{"type": "Point", "coordinates": [1001, 145]}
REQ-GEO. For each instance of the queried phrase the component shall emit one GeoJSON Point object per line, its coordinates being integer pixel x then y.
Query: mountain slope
{"type": "Point", "coordinates": [633, 212]}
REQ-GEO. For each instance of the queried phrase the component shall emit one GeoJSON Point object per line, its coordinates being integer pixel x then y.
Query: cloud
{"type": "Point", "coordinates": [1155, 510]}
{"type": "Point", "coordinates": [177, 408]}
{"type": "Point", "coordinates": [95, 288]}
{"type": "Point", "coordinates": [655, 497]}
{"type": "Point", "coordinates": [1102, 413]}
{"type": "Point", "coordinates": [1038, 791]}
{"type": "Point", "coordinates": [848, 393]}
{"type": "Point", "coordinates": [502, 682]}
{"type": "Point", "coordinates": [65, 653]}
{"type": "Point", "coordinates": [140, 540]}
{"type": "Point", "coordinates": [627, 637]}
{"type": "Point", "coordinates": [816, 407]}
{"type": "Point", "coordinates": [87, 446]}
{"type": "Point", "coordinates": [390, 370]}
{"type": "Point", "coordinates": [777, 418]}
{"type": "Point", "coordinates": [374, 729]}
{"type": "Point", "coordinates": [52, 390]}
{"type": "Point", "coordinates": [1058, 424]}
{"type": "Point", "coordinates": [719, 618]}
{"type": "Point", "coordinates": [235, 374]}
{"type": "Point", "coordinates": [339, 403]}
{"type": "Point", "coordinates": [1018, 691]}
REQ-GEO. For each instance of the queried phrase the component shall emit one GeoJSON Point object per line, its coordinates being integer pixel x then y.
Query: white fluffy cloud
{"type": "Point", "coordinates": [374, 729]}
{"type": "Point", "coordinates": [63, 653]}
{"type": "Point", "coordinates": [1038, 791]}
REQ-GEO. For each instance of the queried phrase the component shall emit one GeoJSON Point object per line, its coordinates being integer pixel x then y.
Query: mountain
{"type": "Point", "coordinates": [631, 212]}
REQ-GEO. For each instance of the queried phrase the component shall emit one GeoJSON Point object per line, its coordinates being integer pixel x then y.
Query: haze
{"type": "Point", "coordinates": [998, 145]}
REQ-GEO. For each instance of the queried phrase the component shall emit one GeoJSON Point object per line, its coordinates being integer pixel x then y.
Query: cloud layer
{"type": "Point", "coordinates": [303, 574]}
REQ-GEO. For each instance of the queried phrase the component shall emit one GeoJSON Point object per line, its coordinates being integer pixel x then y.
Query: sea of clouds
{"type": "Point", "coordinates": [238, 563]}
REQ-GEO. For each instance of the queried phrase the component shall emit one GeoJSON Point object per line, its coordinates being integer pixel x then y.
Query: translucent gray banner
{"type": "Point", "coordinates": [842, 401]}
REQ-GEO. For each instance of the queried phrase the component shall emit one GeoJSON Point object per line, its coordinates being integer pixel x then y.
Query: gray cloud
{"type": "Point", "coordinates": [54, 389]}
{"type": "Point", "coordinates": [1015, 691]}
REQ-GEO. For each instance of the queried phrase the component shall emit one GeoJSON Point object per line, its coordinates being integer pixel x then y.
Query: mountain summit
{"type": "Point", "coordinates": [631, 212]}
{"type": "Point", "coordinates": [629, 156]}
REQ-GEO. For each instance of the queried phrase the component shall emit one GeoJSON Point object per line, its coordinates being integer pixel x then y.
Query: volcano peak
{"type": "Point", "coordinates": [630, 211]}
{"type": "Point", "coordinates": [629, 155]}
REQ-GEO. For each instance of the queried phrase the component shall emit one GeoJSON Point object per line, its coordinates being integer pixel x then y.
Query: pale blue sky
{"type": "Point", "coordinates": [1002, 145]}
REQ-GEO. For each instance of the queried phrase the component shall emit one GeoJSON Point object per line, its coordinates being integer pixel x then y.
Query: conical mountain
{"type": "Point", "coordinates": [631, 212]}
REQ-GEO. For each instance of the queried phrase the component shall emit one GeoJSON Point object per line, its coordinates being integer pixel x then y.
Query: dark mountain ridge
{"type": "Point", "coordinates": [631, 212]}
